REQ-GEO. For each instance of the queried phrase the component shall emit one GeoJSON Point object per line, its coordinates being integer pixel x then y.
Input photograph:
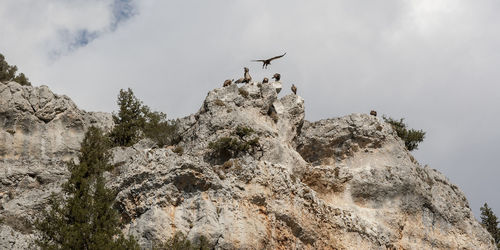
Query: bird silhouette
{"type": "Point", "coordinates": [277, 77]}
{"type": "Point", "coordinates": [294, 89]}
{"type": "Point", "coordinates": [246, 77]}
{"type": "Point", "coordinates": [266, 62]}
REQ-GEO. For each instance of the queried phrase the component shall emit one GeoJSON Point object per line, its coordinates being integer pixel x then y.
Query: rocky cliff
{"type": "Point", "coordinates": [342, 183]}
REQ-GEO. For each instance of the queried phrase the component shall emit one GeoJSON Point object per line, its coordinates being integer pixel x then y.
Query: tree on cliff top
{"type": "Point", "coordinates": [490, 221]}
{"type": "Point", "coordinates": [129, 121]}
{"type": "Point", "coordinates": [84, 219]}
{"type": "Point", "coordinates": [135, 120]}
{"type": "Point", "coordinates": [8, 73]}
{"type": "Point", "coordinates": [411, 137]}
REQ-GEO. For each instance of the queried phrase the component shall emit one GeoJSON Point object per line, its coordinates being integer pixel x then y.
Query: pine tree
{"type": "Point", "coordinates": [159, 129]}
{"type": "Point", "coordinates": [135, 121]}
{"type": "Point", "coordinates": [84, 219]}
{"type": "Point", "coordinates": [411, 137]}
{"type": "Point", "coordinates": [22, 79]}
{"type": "Point", "coordinates": [490, 221]}
{"type": "Point", "coordinates": [129, 121]}
{"type": "Point", "coordinates": [8, 73]}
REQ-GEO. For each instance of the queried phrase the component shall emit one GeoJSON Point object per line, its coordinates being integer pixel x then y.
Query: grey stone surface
{"type": "Point", "coordinates": [39, 132]}
{"type": "Point", "coordinates": [342, 183]}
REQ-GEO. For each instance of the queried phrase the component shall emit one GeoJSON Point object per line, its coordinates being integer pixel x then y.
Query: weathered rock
{"type": "Point", "coordinates": [343, 183]}
{"type": "Point", "coordinates": [39, 131]}
{"type": "Point", "coordinates": [36, 123]}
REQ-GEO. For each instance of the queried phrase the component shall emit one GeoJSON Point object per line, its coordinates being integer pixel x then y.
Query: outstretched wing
{"type": "Point", "coordinates": [276, 57]}
{"type": "Point", "coordinates": [258, 60]}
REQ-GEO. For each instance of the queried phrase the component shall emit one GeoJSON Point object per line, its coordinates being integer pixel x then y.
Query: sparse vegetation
{"type": "Point", "coordinates": [411, 137]}
{"type": "Point", "coordinates": [243, 92]}
{"type": "Point", "coordinates": [159, 129]}
{"type": "Point", "coordinates": [227, 164]}
{"type": "Point", "coordinates": [19, 224]}
{"type": "Point", "coordinates": [178, 150]}
{"type": "Point", "coordinates": [135, 121]}
{"type": "Point", "coordinates": [180, 242]}
{"type": "Point", "coordinates": [219, 102]}
{"type": "Point", "coordinates": [8, 73]}
{"type": "Point", "coordinates": [242, 140]}
{"type": "Point", "coordinates": [84, 218]}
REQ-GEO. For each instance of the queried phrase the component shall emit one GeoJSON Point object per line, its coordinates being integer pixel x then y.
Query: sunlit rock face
{"type": "Point", "coordinates": [39, 132]}
{"type": "Point", "coordinates": [341, 183]}
{"type": "Point", "coordinates": [38, 124]}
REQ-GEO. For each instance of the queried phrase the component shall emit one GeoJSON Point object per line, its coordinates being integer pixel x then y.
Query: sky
{"type": "Point", "coordinates": [432, 62]}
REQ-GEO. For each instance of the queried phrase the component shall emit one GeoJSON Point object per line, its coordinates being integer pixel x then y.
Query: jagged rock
{"type": "Point", "coordinates": [39, 131]}
{"type": "Point", "coordinates": [343, 183]}
{"type": "Point", "coordinates": [36, 123]}
{"type": "Point", "coordinates": [278, 86]}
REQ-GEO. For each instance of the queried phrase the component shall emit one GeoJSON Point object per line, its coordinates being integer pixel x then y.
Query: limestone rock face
{"type": "Point", "coordinates": [342, 183]}
{"type": "Point", "coordinates": [36, 123]}
{"type": "Point", "coordinates": [39, 131]}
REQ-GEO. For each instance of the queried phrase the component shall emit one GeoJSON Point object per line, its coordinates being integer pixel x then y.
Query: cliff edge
{"type": "Point", "coordinates": [341, 183]}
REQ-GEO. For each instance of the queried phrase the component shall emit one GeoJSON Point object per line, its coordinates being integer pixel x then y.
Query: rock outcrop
{"type": "Point", "coordinates": [343, 183]}
{"type": "Point", "coordinates": [38, 124]}
{"type": "Point", "coordinates": [39, 132]}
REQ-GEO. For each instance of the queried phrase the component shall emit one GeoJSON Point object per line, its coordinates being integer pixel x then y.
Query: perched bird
{"type": "Point", "coordinates": [266, 62]}
{"type": "Point", "coordinates": [265, 80]}
{"type": "Point", "coordinates": [373, 112]}
{"type": "Point", "coordinates": [246, 77]}
{"type": "Point", "coordinates": [227, 82]}
{"type": "Point", "coordinates": [276, 77]}
{"type": "Point", "coordinates": [294, 89]}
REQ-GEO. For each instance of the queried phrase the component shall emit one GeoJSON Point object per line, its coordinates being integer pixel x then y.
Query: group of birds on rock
{"type": "Point", "coordinates": [247, 78]}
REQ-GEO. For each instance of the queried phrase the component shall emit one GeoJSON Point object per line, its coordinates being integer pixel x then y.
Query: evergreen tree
{"type": "Point", "coordinates": [135, 120]}
{"type": "Point", "coordinates": [8, 73]}
{"type": "Point", "coordinates": [129, 121]}
{"type": "Point", "coordinates": [411, 137]}
{"type": "Point", "coordinates": [84, 219]}
{"type": "Point", "coordinates": [159, 129]}
{"type": "Point", "coordinates": [490, 221]}
{"type": "Point", "coordinates": [22, 79]}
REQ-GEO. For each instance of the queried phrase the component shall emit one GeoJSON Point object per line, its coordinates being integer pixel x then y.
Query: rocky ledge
{"type": "Point", "coordinates": [342, 183]}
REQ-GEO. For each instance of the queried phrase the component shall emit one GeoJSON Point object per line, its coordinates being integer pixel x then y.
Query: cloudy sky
{"type": "Point", "coordinates": [433, 62]}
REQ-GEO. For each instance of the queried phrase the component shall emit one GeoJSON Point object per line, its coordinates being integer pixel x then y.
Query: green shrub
{"type": "Point", "coordinates": [219, 102]}
{"type": "Point", "coordinates": [159, 129]}
{"type": "Point", "coordinates": [180, 242]}
{"type": "Point", "coordinates": [240, 141]}
{"type": "Point", "coordinates": [8, 73]}
{"type": "Point", "coordinates": [22, 79]}
{"type": "Point", "coordinates": [243, 92]}
{"type": "Point", "coordinates": [242, 131]}
{"type": "Point", "coordinates": [178, 150]}
{"type": "Point", "coordinates": [411, 137]}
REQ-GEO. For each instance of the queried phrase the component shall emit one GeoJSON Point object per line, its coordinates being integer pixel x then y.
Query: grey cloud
{"type": "Point", "coordinates": [432, 62]}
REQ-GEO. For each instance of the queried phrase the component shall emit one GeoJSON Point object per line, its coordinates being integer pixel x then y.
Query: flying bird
{"type": "Point", "coordinates": [266, 62]}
